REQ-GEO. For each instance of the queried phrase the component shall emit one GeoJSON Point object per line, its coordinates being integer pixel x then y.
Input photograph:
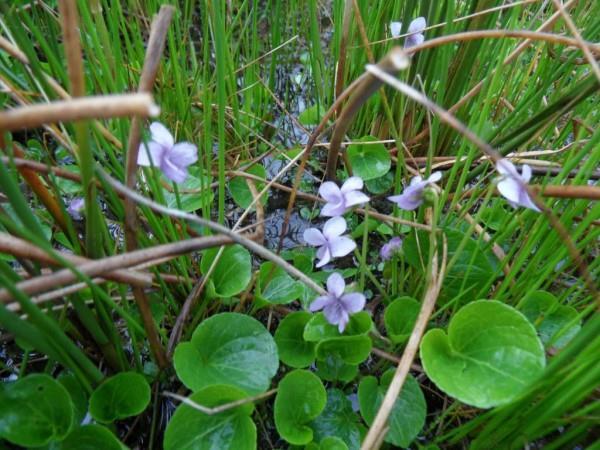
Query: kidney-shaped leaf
{"type": "Point", "coordinates": [350, 349]}
{"type": "Point", "coordinates": [408, 414]}
{"type": "Point", "coordinates": [369, 160]}
{"type": "Point", "coordinates": [228, 348]}
{"type": "Point", "coordinates": [240, 191]}
{"type": "Point", "coordinates": [34, 411]}
{"type": "Point", "coordinates": [276, 286]}
{"type": "Point", "coordinates": [233, 271]}
{"type": "Point", "coordinates": [123, 395]}
{"type": "Point", "coordinates": [293, 349]}
{"type": "Point", "coordinates": [400, 317]}
{"type": "Point", "coordinates": [338, 420]}
{"type": "Point", "coordinates": [300, 399]}
{"type": "Point", "coordinates": [318, 328]}
{"type": "Point", "coordinates": [490, 354]}
{"type": "Point", "coordinates": [233, 429]}
{"type": "Point", "coordinates": [90, 437]}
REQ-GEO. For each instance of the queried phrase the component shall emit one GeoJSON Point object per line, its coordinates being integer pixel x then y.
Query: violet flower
{"type": "Point", "coordinates": [415, 31]}
{"type": "Point", "coordinates": [75, 207]}
{"type": "Point", "coordinates": [340, 200]}
{"type": "Point", "coordinates": [331, 243]}
{"type": "Point", "coordinates": [336, 305]}
{"type": "Point", "coordinates": [172, 159]}
{"type": "Point", "coordinates": [412, 197]}
{"type": "Point", "coordinates": [512, 184]}
{"type": "Point", "coordinates": [392, 246]}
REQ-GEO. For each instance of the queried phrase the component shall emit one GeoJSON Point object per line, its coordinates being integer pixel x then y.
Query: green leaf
{"type": "Point", "coordinates": [34, 411]}
{"type": "Point", "coordinates": [408, 413]}
{"type": "Point", "coordinates": [276, 286]}
{"type": "Point", "coordinates": [90, 437]}
{"type": "Point", "coordinates": [318, 328]}
{"type": "Point", "coordinates": [472, 270]}
{"type": "Point", "coordinates": [369, 161]}
{"type": "Point", "coordinates": [312, 115]}
{"type": "Point", "coordinates": [123, 395]}
{"type": "Point", "coordinates": [332, 443]}
{"type": "Point", "coordinates": [489, 356]}
{"type": "Point", "coordinates": [350, 349]}
{"type": "Point", "coordinates": [233, 271]}
{"type": "Point", "coordinates": [380, 185]}
{"type": "Point", "coordinates": [338, 420]}
{"type": "Point", "coordinates": [233, 429]}
{"type": "Point", "coordinates": [556, 324]}
{"type": "Point", "coordinates": [333, 368]}
{"type": "Point", "coordinates": [400, 317]}
{"type": "Point", "coordinates": [228, 348]}
{"type": "Point", "coordinates": [240, 192]}
{"type": "Point", "coordinates": [293, 349]}
{"type": "Point", "coordinates": [77, 393]}
{"type": "Point", "coordinates": [300, 399]}
{"type": "Point", "coordinates": [194, 192]}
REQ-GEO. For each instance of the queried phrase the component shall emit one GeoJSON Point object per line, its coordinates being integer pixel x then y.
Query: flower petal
{"type": "Point", "coordinates": [173, 172]}
{"type": "Point", "coordinates": [161, 135]}
{"type": "Point", "coordinates": [320, 303]}
{"type": "Point", "coordinates": [434, 177]}
{"type": "Point", "coordinates": [526, 173]}
{"type": "Point", "coordinates": [417, 25]}
{"type": "Point", "coordinates": [330, 192]}
{"type": "Point", "coordinates": [355, 198]}
{"type": "Point", "coordinates": [353, 302]}
{"type": "Point", "coordinates": [334, 227]}
{"type": "Point", "coordinates": [352, 184]}
{"type": "Point", "coordinates": [410, 199]}
{"type": "Point", "coordinates": [395, 29]}
{"type": "Point", "coordinates": [510, 189]}
{"type": "Point", "coordinates": [333, 312]}
{"type": "Point", "coordinates": [343, 321]}
{"type": "Point", "coordinates": [525, 201]}
{"type": "Point", "coordinates": [507, 168]}
{"type": "Point", "coordinates": [183, 154]}
{"type": "Point", "coordinates": [341, 246]}
{"type": "Point", "coordinates": [333, 209]}
{"type": "Point", "coordinates": [335, 285]}
{"type": "Point", "coordinates": [313, 236]}
{"type": "Point", "coordinates": [152, 149]}
{"type": "Point", "coordinates": [413, 40]}
{"type": "Point", "coordinates": [324, 256]}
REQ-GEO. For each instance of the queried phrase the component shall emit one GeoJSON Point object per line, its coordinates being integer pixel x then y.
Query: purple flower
{"type": "Point", "coordinates": [388, 250]}
{"type": "Point", "coordinates": [331, 243]}
{"type": "Point", "coordinates": [415, 31]}
{"type": "Point", "coordinates": [340, 200]}
{"type": "Point", "coordinates": [412, 197]}
{"type": "Point", "coordinates": [75, 207]}
{"type": "Point", "coordinates": [512, 184]}
{"type": "Point", "coordinates": [336, 305]}
{"type": "Point", "coordinates": [173, 159]}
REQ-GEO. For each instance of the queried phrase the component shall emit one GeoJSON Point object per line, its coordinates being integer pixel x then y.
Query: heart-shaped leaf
{"type": "Point", "coordinates": [123, 395]}
{"type": "Point", "coordinates": [233, 429]}
{"type": "Point", "coordinates": [490, 354]}
{"type": "Point", "coordinates": [400, 317]}
{"type": "Point", "coordinates": [338, 420]}
{"type": "Point", "coordinates": [312, 115]}
{"type": "Point", "coordinates": [90, 437]}
{"type": "Point", "coordinates": [34, 411]}
{"type": "Point", "coordinates": [556, 324]}
{"type": "Point", "coordinates": [194, 192]}
{"type": "Point", "coordinates": [318, 328]}
{"type": "Point", "coordinates": [276, 286]}
{"type": "Point", "coordinates": [369, 161]}
{"type": "Point", "coordinates": [233, 271]}
{"type": "Point", "coordinates": [350, 349]}
{"type": "Point", "coordinates": [408, 413]}
{"type": "Point", "coordinates": [240, 192]}
{"type": "Point", "coordinates": [77, 393]}
{"type": "Point", "coordinates": [228, 348]}
{"type": "Point", "coordinates": [300, 399]}
{"type": "Point", "coordinates": [333, 368]}
{"type": "Point", "coordinates": [293, 349]}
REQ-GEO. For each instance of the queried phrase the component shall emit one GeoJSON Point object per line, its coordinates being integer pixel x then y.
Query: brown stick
{"type": "Point", "coordinates": [70, 28]}
{"type": "Point", "coordinates": [569, 191]}
{"type": "Point", "coordinates": [100, 107]}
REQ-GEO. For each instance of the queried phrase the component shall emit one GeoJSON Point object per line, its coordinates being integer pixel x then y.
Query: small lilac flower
{"type": "Point", "coordinates": [415, 31]}
{"type": "Point", "coordinates": [75, 207]}
{"type": "Point", "coordinates": [172, 159]}
{"type": "Point", "coordinates": [412, 197]}
{"type": "Point", "coordinates": [340, 200]}
{"type": "Point", "coordinates": [331, 243]}
{"type": "Point", "coordinates": [511, 184]}
{"type": "Point", "coordinates": [388, 249]}
{"type": "Point", "coordinates": [336, 305]}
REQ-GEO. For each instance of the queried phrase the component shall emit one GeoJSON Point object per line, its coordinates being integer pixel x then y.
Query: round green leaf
{"type": "Point", "coordinates": [338, 420]}
{"type": "Point", "coordinates": [77, 393]}
{"type": "Point", "coordinates": [228, 348]}
{"type": "Point", "coordinates": [556, 324]}
{"type": "Point", "coordinates": [240, 192]}
{"type": "Point", "coordinates": [90, 437]}
{"type": "Point", "coordinates": [333, 368]}
{"type": "Point", "coordinates": [350, 349]}
{"type": "Point", "coordinates": [193, 192]}
{"type": "Point", "coordinates": [380, 185]}
{"type": "Point", "coordinates": [369, 161]}
{"type": "Point", "coordinates": [293, 349]}
{"type": "Point", "coordinates": [233, 271]}
{"type": "Point", "coordinates": [490, 354]}
{"type": "Point", "coordinates": [233, 429]}
{"type": "Point", "coordinates": [312, 115]}
{"type": "Point", "coordinates": [318, 328]}
{"type": "Point", "coordinates": [34, 411]}
{"type": "Point", "coordinates": [408, 413]}
{"type": "Point", "coordinates": [123, 395]}
{"type": "Point", "coordinates": [300, 399]}
{"type": "Point", "coordinates": [332, 443]}
{"type": "Point", "coordinates": [400, 317]}
{"type": "Point", "coordinates": [276, 286]}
